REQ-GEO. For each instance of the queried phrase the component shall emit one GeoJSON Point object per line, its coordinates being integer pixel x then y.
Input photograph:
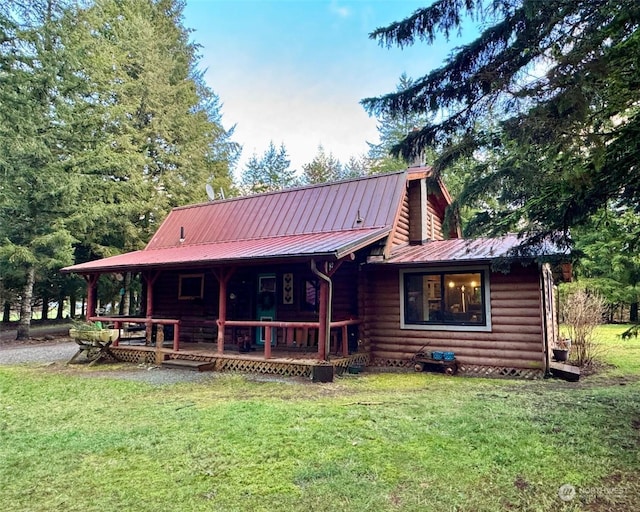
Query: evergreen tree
{"type": "Point", "coordinates": [161, 135]}
{"type": "Point", "coordinates": [40, 84]}
{"type": "Point", "coordinates": [610, 248]}
{"type": "Point", "coordinates": [356, 167]}
{"type": "Point", "coordinates": [105, 124]}
{"type": "Point", "coordinates": [323, 168]}
{"type": "Point", "coordinates": [271, 172]}
{"type": "Point", "coordinates": [392, 129]}
{"type": "Point", "coordinates": [560, 78]}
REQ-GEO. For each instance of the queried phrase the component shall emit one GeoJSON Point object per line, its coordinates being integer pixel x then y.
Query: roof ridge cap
{"type": "Point", "coordinates": [288, 190]}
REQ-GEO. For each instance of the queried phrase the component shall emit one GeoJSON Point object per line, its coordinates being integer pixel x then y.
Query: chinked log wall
{"type": "Point", "coordinates": [515, 341]}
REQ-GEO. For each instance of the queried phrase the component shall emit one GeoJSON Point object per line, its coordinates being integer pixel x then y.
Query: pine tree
{"type": "Point", "coordinates": [270, 172]}
{"type": "Point", "coordinates": [392, 129]}
{"type": "Point", "coordinates": [546, 99]}
{"type": "Point", "coordinates": [323, 168]}
{"type": "Point", "coordinates": [41, 83]}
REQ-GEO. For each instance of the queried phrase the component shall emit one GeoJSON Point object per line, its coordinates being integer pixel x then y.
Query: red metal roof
{"type": "Point", "coordinates": [324, 208]}
{"type": "Point", "coordinates": [459, 250]}
{"type": "Point", "coordinates": [334, 244]}
{"type": "Point", "coordinates": [330, 219]}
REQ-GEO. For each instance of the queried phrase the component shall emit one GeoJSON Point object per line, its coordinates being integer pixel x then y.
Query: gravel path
{"type": "Point", "coordinates": [41, 353]}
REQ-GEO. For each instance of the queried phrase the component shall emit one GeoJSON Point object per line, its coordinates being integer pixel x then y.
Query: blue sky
{"type": "Point", "coordinates": [294, 71]}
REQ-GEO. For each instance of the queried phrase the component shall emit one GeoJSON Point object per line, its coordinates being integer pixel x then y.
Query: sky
{"type": "Point", "coordinates": [294, 71]}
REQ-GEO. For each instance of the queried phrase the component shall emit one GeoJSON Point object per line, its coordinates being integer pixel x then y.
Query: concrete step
{"type": "Point", "coordinates": [186, 364]}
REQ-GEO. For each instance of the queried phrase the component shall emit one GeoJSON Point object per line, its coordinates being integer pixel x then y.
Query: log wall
{"type": "Point", "coordinates": [515, 341]}
{"type": "Point", "coordinates": [198, 316]}
{"type": "Point", "coordinates": [401, 233]}
{"type": "Point", "coordinates": [408, 225]}
{"type": "Point", "coordinates": [434, 221]}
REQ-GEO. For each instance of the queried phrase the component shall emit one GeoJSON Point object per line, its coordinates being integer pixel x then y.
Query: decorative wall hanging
{"type": "Point", "coordinates": [287, 288]}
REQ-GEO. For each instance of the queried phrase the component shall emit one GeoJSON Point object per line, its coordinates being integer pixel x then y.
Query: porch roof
{"type": "Point", "coordinates": [460, 250]}
{"type": "Point", "coordinates": [332, 245]}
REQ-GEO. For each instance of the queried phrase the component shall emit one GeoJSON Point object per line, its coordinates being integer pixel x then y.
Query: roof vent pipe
{"type": "Point", "coordinates": [181, 234]}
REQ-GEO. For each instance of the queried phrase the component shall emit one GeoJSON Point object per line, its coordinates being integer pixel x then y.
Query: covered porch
{"type": "Point", "coordinates": [244, 318]}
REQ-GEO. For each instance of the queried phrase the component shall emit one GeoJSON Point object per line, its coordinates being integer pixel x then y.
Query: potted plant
{"type": "Point", "coordinates": [89, 331]}
{"type": "Point", "coordinates": [561, 349]}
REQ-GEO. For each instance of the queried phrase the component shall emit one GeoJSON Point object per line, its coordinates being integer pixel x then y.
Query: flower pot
{"type": "Point", "coordinates": [560, 354]}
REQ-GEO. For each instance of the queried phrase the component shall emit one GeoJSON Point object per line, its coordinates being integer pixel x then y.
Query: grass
{"type": "Point", "coordinates": [379, 442]}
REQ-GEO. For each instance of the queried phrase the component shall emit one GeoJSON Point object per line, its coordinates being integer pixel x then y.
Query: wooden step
{"type": "Point", "coordinates": [564, 371]}
{"type": "Point", "coordinates": [186, 364]}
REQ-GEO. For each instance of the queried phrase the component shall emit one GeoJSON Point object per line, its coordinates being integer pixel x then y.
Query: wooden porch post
{"type": "Point", "coordinates": [92, 280]}
{"type": "Point", "coordinates": [223, 276]}
{"type": "Point", "coordinates": [267, 342]}
{"type": "Point", "coordinates": [150, 279]}
{"type": "Point", "coordinates": [322, 314]}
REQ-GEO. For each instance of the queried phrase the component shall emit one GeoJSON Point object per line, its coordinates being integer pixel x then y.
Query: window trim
{"type": "Point", "coordinates": [485, 271]}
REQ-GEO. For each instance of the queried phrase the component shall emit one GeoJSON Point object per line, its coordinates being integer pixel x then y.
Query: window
{"type": "Point", "coordinates": [445, 300]}
{"type": "Point", "coordinates": [191, 286]}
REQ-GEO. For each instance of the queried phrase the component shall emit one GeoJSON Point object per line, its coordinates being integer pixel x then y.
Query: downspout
{"type": "Point", "coordinates": [327, 280]}
{"type": "Point", "coordinates": [545, 327]}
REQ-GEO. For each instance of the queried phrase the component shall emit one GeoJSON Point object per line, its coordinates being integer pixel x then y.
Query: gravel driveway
{"type": "Point", "coordinates": [62, 351]}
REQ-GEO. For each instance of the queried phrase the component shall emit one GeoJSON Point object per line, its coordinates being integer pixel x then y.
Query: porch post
{"type": "Point", "coordinates": [223, 277]}
{"type": "Point", "coordinates": [322, 313]}
{"type": "Point", "coordinates": [91, 280]}
{"type": "Point", "coordinates": [150, 279]}
{"type": "Point", "coordinates": [267, 342]}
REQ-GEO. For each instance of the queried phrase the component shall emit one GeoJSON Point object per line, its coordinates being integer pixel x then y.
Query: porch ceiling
{"type": "Point", "coordinates": [333, 245]}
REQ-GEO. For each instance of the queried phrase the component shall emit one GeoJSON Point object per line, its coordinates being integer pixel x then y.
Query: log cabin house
{"type": "Point", "coordinates": [357, 272]}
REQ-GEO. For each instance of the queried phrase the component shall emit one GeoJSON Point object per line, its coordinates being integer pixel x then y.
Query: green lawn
{"type": "Point", "coordinates": [73, 441]}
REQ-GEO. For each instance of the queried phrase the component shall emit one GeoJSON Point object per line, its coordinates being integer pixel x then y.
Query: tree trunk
{"type": "Point", "coordinates": [633, 313]}
{"type": "Point", "coordinates": [24, 325]}
{"type": "Point", "coordinates": [72, 305]}
{"type": "Point", "coordinates": [45, 307]}
{"type": "Point", "coordinates": [60, 314]}
{"type": "Point", "coordinates": [6, 313]}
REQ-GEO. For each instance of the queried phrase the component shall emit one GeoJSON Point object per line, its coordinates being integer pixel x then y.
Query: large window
{"type": "Point", "coordinates": [450, 300]}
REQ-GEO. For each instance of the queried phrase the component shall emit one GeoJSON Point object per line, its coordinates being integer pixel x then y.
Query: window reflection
{"type": "Point", "coordinates": [444, 298]}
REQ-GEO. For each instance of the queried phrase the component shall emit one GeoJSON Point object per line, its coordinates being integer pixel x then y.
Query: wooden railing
{"type": "Point", "coordinates": [289, 330]}
{"type": "Point", "coordinates": [149, 322]}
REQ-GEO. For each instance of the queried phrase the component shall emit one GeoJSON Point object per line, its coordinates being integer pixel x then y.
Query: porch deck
{"type": "Point", "coordinates": [283, 361]}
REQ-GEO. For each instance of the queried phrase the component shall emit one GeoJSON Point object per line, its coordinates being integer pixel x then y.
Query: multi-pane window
{"type": "Point", "coordinates": [445, 298]}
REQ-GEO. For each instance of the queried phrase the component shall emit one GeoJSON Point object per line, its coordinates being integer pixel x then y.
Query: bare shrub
{"type": "Point", "coordinates": [582, 312]}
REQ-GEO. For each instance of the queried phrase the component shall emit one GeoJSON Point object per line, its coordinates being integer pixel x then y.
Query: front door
{"type": "Point", "coordinates": [266, 306]}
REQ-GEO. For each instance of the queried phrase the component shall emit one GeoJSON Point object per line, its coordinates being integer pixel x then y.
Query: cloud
{"type": "Point", "coordinates": [339, 10]}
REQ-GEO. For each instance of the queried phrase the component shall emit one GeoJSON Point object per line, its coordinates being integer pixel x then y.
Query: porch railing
{"type": "Point", "coordinates": [149, 322]}
{"type": "Point", "coordinates": [289, 329]}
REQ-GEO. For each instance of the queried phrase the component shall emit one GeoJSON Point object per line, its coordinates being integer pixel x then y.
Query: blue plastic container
{"type": "Point", "coordinates": [437, 356]}
{"type": "Point", "coordinates": [449, 356]}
